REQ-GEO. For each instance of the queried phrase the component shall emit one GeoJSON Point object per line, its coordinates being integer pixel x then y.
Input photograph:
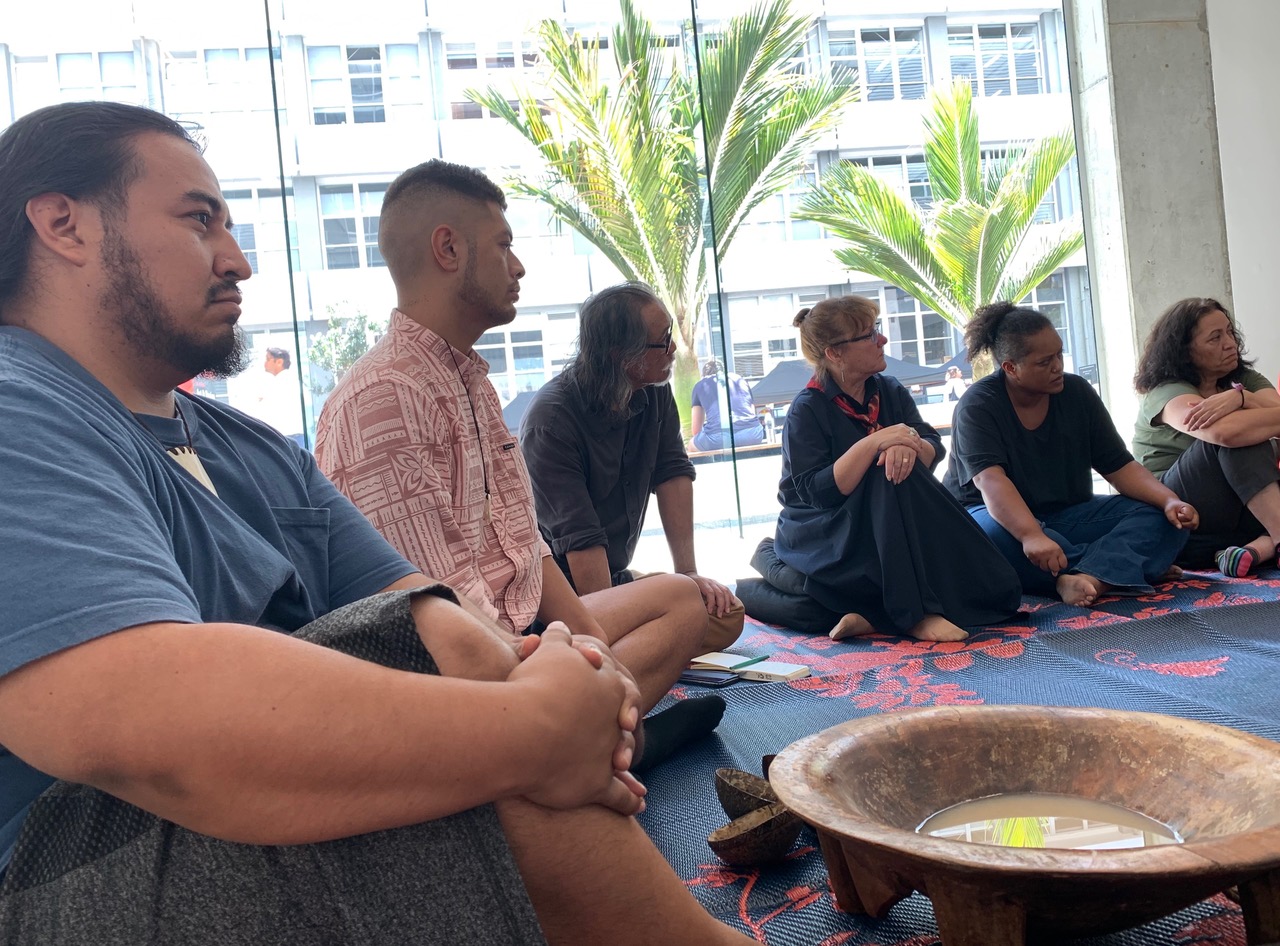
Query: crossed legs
{"type": "Point", "coordinates": [592, 874]}
{"type": "Point", "coordinates": [654, 628]}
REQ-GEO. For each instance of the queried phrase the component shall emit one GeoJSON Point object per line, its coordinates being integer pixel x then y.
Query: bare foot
{"type": "Point", "coordinates": [851, 625]}
{"type": "Point", "coordinates": [1172, 573]}
{"type": "Point", "coordinates": [934, 627]}
{"type": "Point", "coordinates": [1080, 590]}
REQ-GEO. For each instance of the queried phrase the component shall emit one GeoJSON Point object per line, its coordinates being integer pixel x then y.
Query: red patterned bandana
{"type": "Point", "coordinates": [869, 418]}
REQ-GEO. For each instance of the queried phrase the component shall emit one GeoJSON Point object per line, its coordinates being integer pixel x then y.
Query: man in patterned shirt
{"type": "Point", "coordinates": [414, 435]}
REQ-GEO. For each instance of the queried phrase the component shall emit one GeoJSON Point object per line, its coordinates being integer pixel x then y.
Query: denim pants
{"type": "Point", "coordinates": [1124, 542]}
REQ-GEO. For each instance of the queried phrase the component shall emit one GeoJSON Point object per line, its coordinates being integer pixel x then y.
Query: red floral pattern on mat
{"type": "Point", "coordinates": [794, 899]}
{"type": "Point", "coordinates": [1183, 668]}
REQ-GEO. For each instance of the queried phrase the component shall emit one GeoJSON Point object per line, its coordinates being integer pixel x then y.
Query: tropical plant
{"type": "Point", "coordinates": [621, 159]}
{"type": "Point", "coordinates": [1018, 832]}
{"type": "Point", "coordinates": [978, 241]}
{"type": "Point", "coordinates": [351, 333]}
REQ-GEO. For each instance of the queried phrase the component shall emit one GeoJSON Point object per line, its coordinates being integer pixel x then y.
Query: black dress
{"type": "Point", "coordinates": [893, 554]}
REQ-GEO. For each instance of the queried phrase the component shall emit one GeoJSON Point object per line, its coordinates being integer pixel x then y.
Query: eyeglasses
{"type": "Point", "coordinates": [875, 330]}
{"type": "Point", "coordinates": [665, 344]}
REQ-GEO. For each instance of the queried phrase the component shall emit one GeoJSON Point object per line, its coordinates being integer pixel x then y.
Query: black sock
{"type": "Point", "coordinates": [671, 730]}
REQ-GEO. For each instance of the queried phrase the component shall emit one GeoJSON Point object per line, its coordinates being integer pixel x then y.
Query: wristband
{"type": "Point", "coordinates": [1239, 387]}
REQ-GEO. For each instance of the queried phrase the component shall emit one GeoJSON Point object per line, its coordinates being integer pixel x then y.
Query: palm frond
{"type": "Point", "coordinates": [952, 154]}
{"type": "Point", "coordinates": [883, 235]}
{"type": "Point", "coordinates": [979, 242]}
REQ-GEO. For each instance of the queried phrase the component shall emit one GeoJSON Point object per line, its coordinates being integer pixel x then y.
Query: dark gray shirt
{"type": "Point", "coordinates": [592, 474]}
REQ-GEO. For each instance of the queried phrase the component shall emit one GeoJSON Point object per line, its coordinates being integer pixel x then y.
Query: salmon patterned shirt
{"type": "Point", "coordinates": [398, 438]}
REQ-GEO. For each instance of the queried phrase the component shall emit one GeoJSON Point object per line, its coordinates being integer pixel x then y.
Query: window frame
{"type": "Point", "coordinates": [856, 65]}
{"type": "Point", "coordinates": [366, 242]}
{"type": "Point", "coordinates": [980, 80]}
{"type": "Point", "coordinates": [385, 77]}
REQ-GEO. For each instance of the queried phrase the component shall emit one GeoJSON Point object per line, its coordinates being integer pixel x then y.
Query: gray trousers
{"type": "Point", "coordinates": [91, 869]}
{"type": "Point", "coordinates": [1219, 481]}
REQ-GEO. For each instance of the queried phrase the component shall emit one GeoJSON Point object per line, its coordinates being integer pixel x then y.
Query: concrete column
{"type": "Point", "coordinates": [1246, 72]}
{"type": "Point", "coordinates": [1142, 85]}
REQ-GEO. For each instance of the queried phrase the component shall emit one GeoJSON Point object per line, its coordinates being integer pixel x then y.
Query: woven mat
{"type": "Point", "coordinates": [1199, 648]}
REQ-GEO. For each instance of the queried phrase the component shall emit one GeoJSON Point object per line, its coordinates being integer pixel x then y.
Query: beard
{"type": "Point", "coordinates": [496, 311]}
{"type": "Point", "coordinates": [150, 328]}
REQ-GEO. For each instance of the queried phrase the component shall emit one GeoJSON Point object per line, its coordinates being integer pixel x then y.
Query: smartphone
{"type": "Point", "coordinates": [708, 678]}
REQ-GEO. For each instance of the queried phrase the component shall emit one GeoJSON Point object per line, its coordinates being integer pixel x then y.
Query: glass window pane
{"type": "Point", "coordinates": [503, 58]}
{"type": "Point", "coordinates": [366, 91]}
{"type": "Point", "coordinates": [328, 93]}
{"type": "Point", "coordinates": [895, 300]}
{"type": "Point", "coordinates": [842, 43]}
{"type": "Point", "coordinates": [336, 199]}
{"type": "Point", "coordinates": [1054, 287]}
{"type": "Point", "coordinates": [460, 55]}
{"type": "Point", "coordinates": [402, 59]}
{"type": "Point", "coordinates": [221, 65]}
{"type": "Point", "coordinates": [325, 62]}
{"type": "Point", "coordinates": [339, 231]}
{"type": "Point", "coordinates": [117, 68]}
{"type": "Point", "coordinates": [371, 198]}
{"type": "Point", "coordinates": [76, 69]}
{"type": "Point", "coordinates": [342, 257]}
{"type": "Point", "coordinates": [364, 60]}
{"type": "Point", "coordinates": [497, 358]}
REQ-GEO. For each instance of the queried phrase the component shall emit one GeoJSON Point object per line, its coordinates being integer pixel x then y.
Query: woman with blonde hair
{"type": "Point", "coordinates": [866, 530]}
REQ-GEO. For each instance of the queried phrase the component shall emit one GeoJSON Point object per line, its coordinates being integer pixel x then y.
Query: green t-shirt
{"type": "Point", "coordinates": [1157, 445]}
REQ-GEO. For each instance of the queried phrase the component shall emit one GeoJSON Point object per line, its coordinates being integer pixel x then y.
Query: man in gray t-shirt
{"type": "Point", "coordinates": [242, 731]}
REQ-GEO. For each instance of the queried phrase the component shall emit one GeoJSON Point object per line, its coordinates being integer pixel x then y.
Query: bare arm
{"type": "Point", "coordinates": [1008, 508]}
{"type": "Point", "coordinates": [1220, 419]}
{"type": "Point", "coordinates": [697, 417]}
{"type": "Point", "coordinates": [675, 509]}
{"type": "Point", "coordinates": [590, 569]}
{"type": "Point", "coordinates": [1135, 481]}
{"type": "Point", "coordinates": [561, 603]}
{"type": "Point", "coordinates": [254, 736]}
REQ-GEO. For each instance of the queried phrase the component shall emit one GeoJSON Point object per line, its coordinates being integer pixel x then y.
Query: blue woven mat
{"type": "Point", "coordinates": [1199, 648]}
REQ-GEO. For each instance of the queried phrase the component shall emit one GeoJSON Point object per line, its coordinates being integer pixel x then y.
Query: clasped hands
{"type": "Point", "coordinates": [591, 706]}
{"type": "Point", "coordinates": [899, 447]}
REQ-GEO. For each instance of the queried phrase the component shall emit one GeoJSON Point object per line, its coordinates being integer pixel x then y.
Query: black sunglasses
{"type": "Point", "coordinates": [875, 330]}
{"type": "Point", "coordinates": [665, 343]}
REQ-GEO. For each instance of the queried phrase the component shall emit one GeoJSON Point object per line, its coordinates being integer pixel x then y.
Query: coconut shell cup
{"type": "Point", "coordinates": [741, 792]}
{"type": "Point", "coordinates": [758, 837]}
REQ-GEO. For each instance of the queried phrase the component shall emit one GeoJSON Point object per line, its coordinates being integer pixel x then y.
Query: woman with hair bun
{"type": "Point", "coordinates": [1204, 427]}
{"type": "Point", "coordinates": [866, 531]}
{"type": "Point", "coordinates": [1023, 442]}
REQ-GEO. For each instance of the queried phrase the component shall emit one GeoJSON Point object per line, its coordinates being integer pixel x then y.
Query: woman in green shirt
{"type": "Point", "coordinates": [1204, 427]}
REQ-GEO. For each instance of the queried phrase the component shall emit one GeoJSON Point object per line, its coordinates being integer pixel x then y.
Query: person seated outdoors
{"type": "Point", "coordinates": [603, 435]}
{"type": "Point", "coordinates": [413, 434]}
{"type": "Point", "coordinates": [214, 731]}
{"type": "Point", "coordinates": [1204, 427]}
{"type": "Point", "coordinates": [1023, 443]}
{"type": "Point", "coordinates": [865, 529]}
{"type": "Point", "coordinates": [708, 397]}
